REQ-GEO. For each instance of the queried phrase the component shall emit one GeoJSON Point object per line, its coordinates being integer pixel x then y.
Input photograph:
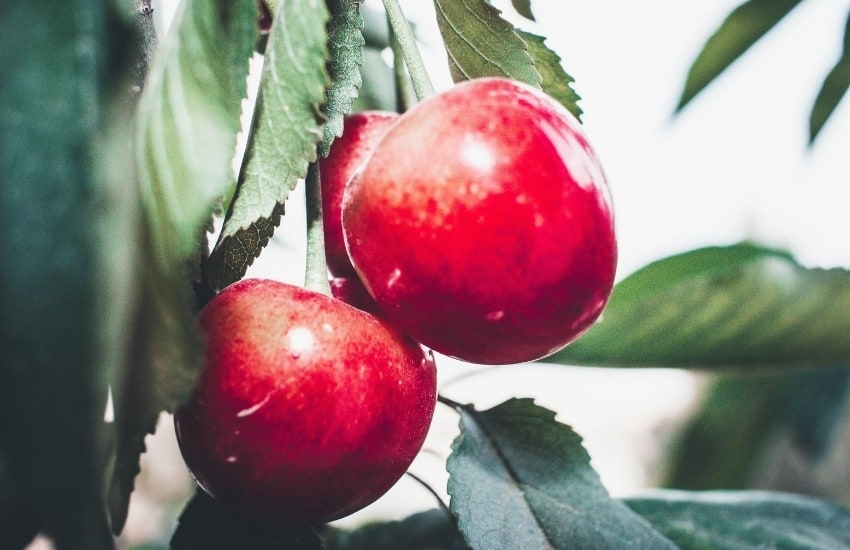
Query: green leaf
{"type": "Point", "coordinates": [286, 130]}
{"type": "Point", "coordinates": [429, 530]}
{"type": "Point", "coordinates": [520, 479]}
{"type": "Point", "coordinates": [742, 520]}
{"type": "Point", "coordinates": [207, 525]}
{"type": "Point", "coordinates": [741, 29]}
{"type": "Point", "coordinates": [833, 89]}
{"type": "Point", "coordinates": [555, 80]}
{"type": "Point", "coordinates": [740, 307]}
{"type": "Point", "coordinates": [523, 7]}
{"type": "Point", "coordinates": [345, 47]}
{"type": "Point", "coordinates": [188, 118]}
{"type": "Point", "coordinates": [64, 294]}
{"type": "Point", "coordinates": [480, 43]}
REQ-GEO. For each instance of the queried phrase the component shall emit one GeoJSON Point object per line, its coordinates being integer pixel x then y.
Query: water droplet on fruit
{"type": "Point", "coordinates": [254, 408]}
{"type": "Point", "coordinates": [521, 198]}
{"type": "Point", "coordinates": [495, 315]}
{"type": "Point", "coordinates": [231, 459]}
{"type": "Point", "coordinates": [538, 219]}
{"type": "Point", "coordinates": [300, 340]}
{"type": "Point", "coordinates": [327, 327]}
{"type": "Point", "coordinates": [394, 276]}
{"type": "Point", "coordinates": [479, 156]}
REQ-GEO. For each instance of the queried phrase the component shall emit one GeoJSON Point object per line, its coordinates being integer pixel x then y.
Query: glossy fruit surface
{"type": "Point", "coordinates": [361, 133]}
{"type": "Point", "coordinates": [308, 409]}
{"type": "Point", "coordinates": [482, 224]}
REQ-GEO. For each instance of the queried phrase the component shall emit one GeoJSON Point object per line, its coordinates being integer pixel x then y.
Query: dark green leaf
{"type": "Point", "coordinates": [523, 7]}
{"type": "Point", "coordinates": [66, 229]}
{"type": "Point", "coordinates": [345, 47]}
{"type": "Point", "coordinates": [833, 89]}
{"type": "Point", "coordinates": [480, 43]}
{"type": "Point", "coordinates": [188, 118]}
{"type": "Point", "coordinates": [721, 307]}
{"type": "Point", "coordinates": [286, 130]}
{"type": "Point", "coordinates": [18, 523]}
{"type": "Point", "coordinates": [743, 520]}
{"type": "Point", "coordinates": [555, 81]}
{"type": "Point", "coordinates": [520, 479]}
{"type": "Point", "coordinates": [429, 530]}
{"type": "Point", "coordinates": [741, 29]}
{"type": "Point", "coordinates": [207, 525]}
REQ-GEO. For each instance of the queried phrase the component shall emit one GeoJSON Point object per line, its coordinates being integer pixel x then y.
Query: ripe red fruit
{"type": "Point", "coordinates": [361, 133]}
{"type": "Point", "coordinates": [482, 224]}
{"type": "Point", "coordinates": [308, 409]}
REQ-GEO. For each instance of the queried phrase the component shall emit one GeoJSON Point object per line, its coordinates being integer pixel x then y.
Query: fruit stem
{"type": "Point", "coordinates": [403, 98]}
{"type": "Point", "coordinates": [407, 43]}
{"type": "Point", "coordinates": [434, 493]}
{"type": "Point", "coordinates": [316, 267]}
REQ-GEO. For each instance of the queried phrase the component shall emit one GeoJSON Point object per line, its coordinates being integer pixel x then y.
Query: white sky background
{"type": "Point", "coordinates": [734, 165]}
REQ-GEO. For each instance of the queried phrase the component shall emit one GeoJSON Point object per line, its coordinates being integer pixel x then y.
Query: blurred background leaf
{"type": "Point", "coordinates": [66, 246]}
{"type": "Point", "coordinates": [832, 90]}
{"type": "Point", "coordinates": [742, 28]}
{"type": "Point", "coordinates": [523, 7]}
{"type": "Point", "coordinates": [730, 439]}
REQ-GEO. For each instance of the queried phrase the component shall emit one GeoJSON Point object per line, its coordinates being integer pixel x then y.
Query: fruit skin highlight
{"type": "Point", "coordinates": [361, 133]}
{"type": "Point", "coordinates": [482, 224]}
{"type": "Point", "coordinates": [308, 409]}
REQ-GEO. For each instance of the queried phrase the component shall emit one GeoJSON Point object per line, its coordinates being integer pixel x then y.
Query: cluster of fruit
{"type": "Point", "coordinates": [477, 224]}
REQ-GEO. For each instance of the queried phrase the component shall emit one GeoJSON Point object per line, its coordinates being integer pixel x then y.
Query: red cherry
{"type": "Point", "coordinates": [361, 133]}
{"type": "Point", "coordinates": [308, 409]}
{"type": "Point", "coordinates": [482, 224]}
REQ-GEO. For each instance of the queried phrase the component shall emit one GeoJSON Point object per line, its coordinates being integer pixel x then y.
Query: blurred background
{"type": "Point", "coordinates": [735, 164]}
